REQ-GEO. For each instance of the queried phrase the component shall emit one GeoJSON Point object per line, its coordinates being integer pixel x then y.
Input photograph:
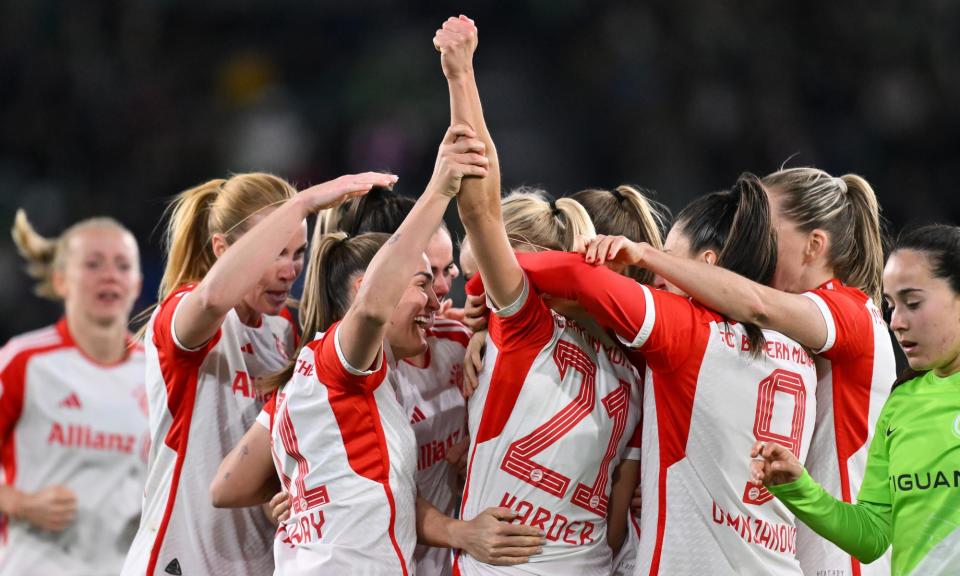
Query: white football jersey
{"type": "Point", "coordinates": [549, 423]}
{"type": "Point", "coordinates": [68, 420]}
{"type": "Point", "coordinates": [346, 454]}
{"type": "Point", "coordinates": [706, 402]}
{"type": "Point", "coordinates": [856, 369]}
{"type": "Point", "coordinates": [201, 403]}
{"type": "Point", "coordinates": [432, 399]}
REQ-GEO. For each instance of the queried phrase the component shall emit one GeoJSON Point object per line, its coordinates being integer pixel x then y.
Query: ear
{"type": "Point", "coordinates": [817, 246]}
{"type": "Point", "coordinates": [59, 282]}
{"type": "Point", "coordinates": [220, 244]}
{"type": "Point", "coordinates": [355, 288]}
{"type": "Point", "coordinates": [708, 256]}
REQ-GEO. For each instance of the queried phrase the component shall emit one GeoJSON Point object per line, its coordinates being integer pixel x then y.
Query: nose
{"type": "Point", "coordinates": [898, 321]}
{"type": "Point", "coordinates": [433, 303]}
{"type": "Point", "coordinates": [659, 282]}
{"type": "Point", "coordinates": [441, 286]}
{"type": "Point", "coordinates": [288, 270]}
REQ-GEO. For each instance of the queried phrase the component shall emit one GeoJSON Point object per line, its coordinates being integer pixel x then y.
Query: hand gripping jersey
{"type": "Point", "coordinates": [432, 399]}
{"type": "Point", "coordinates": [706, 401]}
{"type": "Point", "coordinates": [345, 453]}
{"type": "Point", "coordinates": [911, 488]}
{"type": "Point", "coordinates": [66, 419]}
{"type": "Point", "coordinates": [549, 423]}
{"type": "Point", "coordinates": [856, 368]}
{"type": "Point", "coordinates": [201, 403]}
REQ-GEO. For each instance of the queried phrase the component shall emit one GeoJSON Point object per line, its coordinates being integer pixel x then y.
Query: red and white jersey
{"type": "Point", "coordinates": [68, 420]}
{"type": "Point", "coordinates": [857, 369]}
{"type": "Point", "coordinates": [432, 399]}
{"type": "Point", "coordinates": [202, 402]}
{"type": "Point", "coordinates": [706, 401]}
{"type": "Point", "coordinates": [549, 423]}
{"type": "Point", "coordinates": [346, 454]}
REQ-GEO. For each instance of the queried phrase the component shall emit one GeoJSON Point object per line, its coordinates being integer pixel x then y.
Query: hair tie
{"type": "Point", "coordinates": [553, 208]}
{"type": "Point", "coordinates": [841, 184]}
{"type": "Point", "coordinates": [616, 194]}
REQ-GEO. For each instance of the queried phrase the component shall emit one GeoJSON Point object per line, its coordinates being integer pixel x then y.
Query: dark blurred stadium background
{"type": "Point", "coordinates": [110, 107]}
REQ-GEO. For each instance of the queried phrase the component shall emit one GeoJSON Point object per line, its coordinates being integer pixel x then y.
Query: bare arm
{"type": "Point", "coordinates": [246, 476]}
{"type": "Point", "coordinates": [479, 200]}
{"type": "Point", "coordinates": [728, 293]}
{"type": "Point", "coordinates": [489, 538]}
{"type": "Point", "coordinates": [624, 483]}
{"type": "Point", "coordinates": [240, 267]}
{"type": "Point", "coordinates": [365, 323]}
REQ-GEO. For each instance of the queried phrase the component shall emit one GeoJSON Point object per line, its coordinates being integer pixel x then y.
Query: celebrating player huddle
{"type": "Point", "coordinates": [612, 403]}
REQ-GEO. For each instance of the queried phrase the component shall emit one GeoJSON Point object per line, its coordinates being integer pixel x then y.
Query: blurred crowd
{"type": "Point", "coordinates": [111, 107]}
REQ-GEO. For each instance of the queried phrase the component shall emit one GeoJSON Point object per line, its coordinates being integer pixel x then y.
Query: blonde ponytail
{"type": "Point", "coordinates": [846, 209]}
{"type": "Point", "coordinates": [534, 223]}
{"type": "Point", "coordinates": [45, 255]}
{"type": "Point", "coordinates": [864, 266]}
{"type": "Point", "coordinates": [215, 207]}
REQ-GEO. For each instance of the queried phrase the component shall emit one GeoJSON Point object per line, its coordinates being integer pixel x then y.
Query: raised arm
{"type": "Point", "coordinates": [479, 201]}
{"type": "Point", "coordinates": [364, 325]}
{"type": "Point", "coordinates": [728, 293]}
{"type": "Point", "coordinates": [239, 268]}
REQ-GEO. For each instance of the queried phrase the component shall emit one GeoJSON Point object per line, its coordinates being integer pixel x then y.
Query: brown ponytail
{"type": "Point", "coordinates": [736, 224]}
{"type": "Point", "coordinates": [45, 255]}
{"type": "Point", "coordinates": [626, 211]}
{"type": "Point", "coordinates": [335, 261]}
{"type": "Point", "coordinates": [846, 209]}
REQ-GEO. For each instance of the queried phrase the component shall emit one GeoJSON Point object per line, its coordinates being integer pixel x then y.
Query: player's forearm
{"type": "Point", "coordinates": [9, 501]}
{"type": "Point", "coordinates": [615, 302]}
{"type": "Point", "coordinates": [477, 195]}
{"type": "Point", "coordinates": [434, 528]}
{"type": "Point", "coordinates": [861, 529]}
{"type": "Point", "coordinates": [624, 483]}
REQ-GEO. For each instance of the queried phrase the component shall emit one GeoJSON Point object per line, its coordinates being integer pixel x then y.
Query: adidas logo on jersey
{"type": "Point", "coordinates": [248, 348]}
{"type": "Point", "coordinates": [173, 568]}
{"type": "Point", "coordinates": [417, 415]}
{"type": "Point", "coordinates": [71, 401]}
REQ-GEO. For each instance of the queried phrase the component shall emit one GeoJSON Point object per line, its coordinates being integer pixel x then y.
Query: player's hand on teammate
{"type": "Point", "coordinates": [473, 362]}
{"type": "Point", "coordinates": [773, 464]}
{"type": "Point", "coordinates": [339, 190]}
{"type": "Point", "coordinates": [617, 249]}
{"type": "Point", "coordinates": [461, 154]}
{"type": "Point", "coordinates": [475, 312]}
{"type": "Point", "coordinates": [278, 508]}
{"type": "Point", "coordinates": [456, 41]}
{"type": "Point", "coordinates": [52, 508]}
{"type": "Point", "coordinates": [457, 456]}
{"type": "Point", "coordinates": [492, 539]}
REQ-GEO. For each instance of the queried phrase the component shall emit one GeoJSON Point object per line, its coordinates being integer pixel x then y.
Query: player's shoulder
{"type": "Point", "coordinates": [22, 347]}
{"type": "Point", "coordinates": [836, 292]}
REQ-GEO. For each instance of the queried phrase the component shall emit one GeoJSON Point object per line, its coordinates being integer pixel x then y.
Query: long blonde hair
{"type": "Point", "coordinates": [535, 223]}
{"type": "Point", "coordinates": [214, 207]}
{"type": "Point", "coordinates": [627, 211]}
{"type": "Point", "coordinates": [847, 209]}
{"type": "Point", "coordinates": [46, 255]}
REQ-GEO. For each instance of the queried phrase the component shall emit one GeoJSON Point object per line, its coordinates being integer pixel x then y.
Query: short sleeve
{"type": "Point", "coordinates": [334, 370]}
{"type": "Point", "coordinates": [265, 417]}
{"type": "Point", "coordinates": [848, 322]}
{"type": "Point", "coordinates": [164, 334]}
{"type": "Point", "coordinates": [524, 323]}
{"type": "Point", "coordinates": [11, 397]}
{"type": "Point", "coordinates": [671, 325]}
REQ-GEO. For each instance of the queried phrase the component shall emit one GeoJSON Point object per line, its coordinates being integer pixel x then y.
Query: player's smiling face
{"type": "Point", "coordinates": [406, 331]}
{"type": "Point", "coordinates": [101, 274]}
{"type": "Point", "coordinates": [925, 313]}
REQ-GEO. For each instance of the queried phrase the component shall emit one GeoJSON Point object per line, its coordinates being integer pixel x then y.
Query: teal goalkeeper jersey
{"type": "Point", "coordinates": [910, 495]}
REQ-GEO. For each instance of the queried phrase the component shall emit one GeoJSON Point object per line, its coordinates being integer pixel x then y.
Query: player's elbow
{"type": "Point", "coordinates": [220, 495]}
